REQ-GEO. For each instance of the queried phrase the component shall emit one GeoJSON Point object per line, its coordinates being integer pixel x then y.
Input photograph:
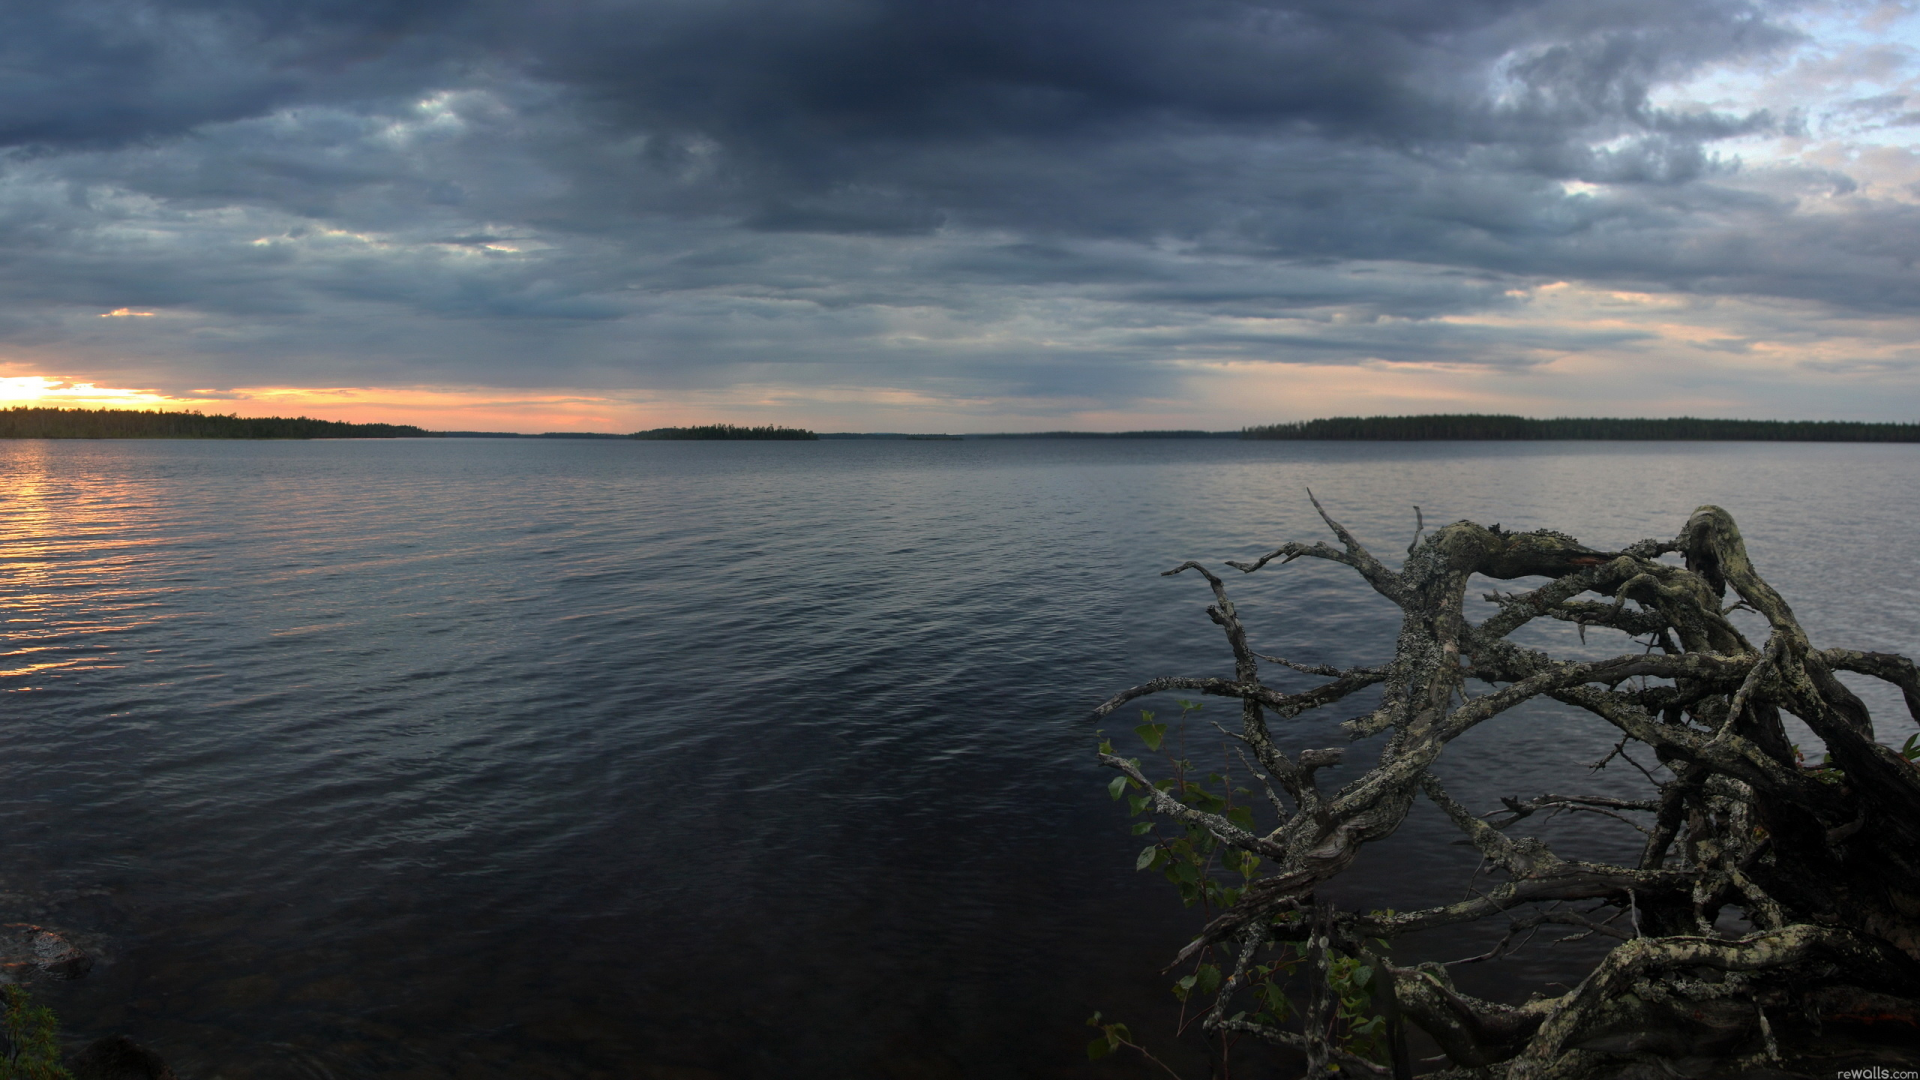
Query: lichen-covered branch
{"type": "Point", "coordinates": [1820, 863]}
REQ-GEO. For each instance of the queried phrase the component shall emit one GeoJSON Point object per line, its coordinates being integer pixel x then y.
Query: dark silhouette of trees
{"type": "Point", "coordinates": [1476, 426]}
{"type": "Point", "coordinates": [29, 422]}
{"type": "Point", "coordinates": [727, 431]}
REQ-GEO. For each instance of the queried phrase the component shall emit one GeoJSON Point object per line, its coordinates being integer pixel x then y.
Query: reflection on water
{"type": "Point", "coordinates": [70, 541]}
{"type": "Point", "coordinates": [490, 759]}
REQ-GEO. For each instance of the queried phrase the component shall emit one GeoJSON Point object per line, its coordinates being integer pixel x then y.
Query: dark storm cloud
{"type": "Point", "coordinates": [108, 71]}
{"type": "Point", "coordinates": [677, 188]}
{"type": "Point", "coordinates": [812, 81]}
{"type": "Point", "coordinates": [814, 95]}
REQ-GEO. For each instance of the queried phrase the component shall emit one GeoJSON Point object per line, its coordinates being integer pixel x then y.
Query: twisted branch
{"type": "Point", "coordinates": [1824, 863]}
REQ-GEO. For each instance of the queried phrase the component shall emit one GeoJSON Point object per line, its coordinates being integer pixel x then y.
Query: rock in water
{"type": "Point", "coordinates": [117, 1057]}
{"type": "Point", "coordinates": [26, 950]}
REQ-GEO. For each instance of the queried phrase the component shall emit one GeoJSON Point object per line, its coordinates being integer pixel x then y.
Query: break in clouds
{"type": "Point", "coordinates": [1032, 209]}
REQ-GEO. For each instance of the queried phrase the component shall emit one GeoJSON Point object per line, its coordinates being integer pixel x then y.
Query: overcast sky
{"type": "Point", "coordinates": [961, 215]}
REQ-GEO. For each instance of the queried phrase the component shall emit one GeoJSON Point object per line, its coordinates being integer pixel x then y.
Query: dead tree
{"type": "Point", "coordinates": [1822, 863]}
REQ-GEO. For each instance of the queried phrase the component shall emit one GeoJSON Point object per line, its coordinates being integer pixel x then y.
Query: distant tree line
{"type": "Point", "coordinates": [1478, 426]}
{"type": "Point", "coordinates": [726, 431]}
{"type": "Point", "coordinates": [33, 422]}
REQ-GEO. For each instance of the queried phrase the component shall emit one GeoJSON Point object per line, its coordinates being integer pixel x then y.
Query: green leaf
{"type": "Point", "coordinates": [1241, 816]}
{"type": "Point", "coordinates": [1208, 978]}
{"type": "Point", "coordinates": [1151, 734]}
{"type": "Point", "coordinates": [1361, 975]}
{"type": "Point", "coordinates": [1142, 828]}
{"type": "Point", "coordinates": [1146, 858]}
{"type": "Point", "coordinates": [1098, 1049]}
{"type": "Point", "coordinates": [1119, 785]}
{"type": "Point", "coordinates": [1138, 802]}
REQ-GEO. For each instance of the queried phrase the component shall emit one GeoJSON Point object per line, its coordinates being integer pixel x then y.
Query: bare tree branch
{"type": "Point", "coordinates": [1822, 861]}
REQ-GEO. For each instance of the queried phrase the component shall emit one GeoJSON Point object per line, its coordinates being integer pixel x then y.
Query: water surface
{"type": "Point", "coordinates": [477, 759]}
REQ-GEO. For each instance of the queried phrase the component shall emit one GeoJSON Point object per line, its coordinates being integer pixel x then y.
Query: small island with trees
{"type": "Point", "coordinates": [728, 432]}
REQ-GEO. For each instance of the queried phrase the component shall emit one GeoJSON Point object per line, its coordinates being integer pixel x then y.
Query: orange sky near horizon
{"type": "Point", "coordinates": [434, 408]}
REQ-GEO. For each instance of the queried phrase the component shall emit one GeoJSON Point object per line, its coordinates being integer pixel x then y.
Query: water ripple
{"type": "Point", "coordinates": [507, 759]}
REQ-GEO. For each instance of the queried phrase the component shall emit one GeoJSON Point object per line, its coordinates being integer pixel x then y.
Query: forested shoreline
{"type": "Point", "coordinates": [1478, 426]}
{"type": "Point", "coordinates": [31, 422]}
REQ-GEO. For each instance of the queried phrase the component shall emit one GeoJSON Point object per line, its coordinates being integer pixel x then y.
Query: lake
{"type": "Point", "coordinates": [544, 758]}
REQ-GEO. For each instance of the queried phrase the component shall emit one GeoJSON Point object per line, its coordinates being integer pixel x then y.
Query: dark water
{"type": "Point", "coordinates": [602, 759]}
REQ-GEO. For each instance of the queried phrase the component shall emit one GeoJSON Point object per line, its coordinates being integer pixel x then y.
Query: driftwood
{"type": "Point", "coordinates": [1821, 864]}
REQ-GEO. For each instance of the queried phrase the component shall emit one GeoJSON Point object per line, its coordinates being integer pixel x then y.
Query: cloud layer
{"type": "Point", "coordinates": [1198, 211]}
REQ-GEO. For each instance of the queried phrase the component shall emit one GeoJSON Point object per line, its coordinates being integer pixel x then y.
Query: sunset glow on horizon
{"type": "Point", "coordinates": [430, 407]}
{"type": "Point", "coordinates": [45, 392]}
